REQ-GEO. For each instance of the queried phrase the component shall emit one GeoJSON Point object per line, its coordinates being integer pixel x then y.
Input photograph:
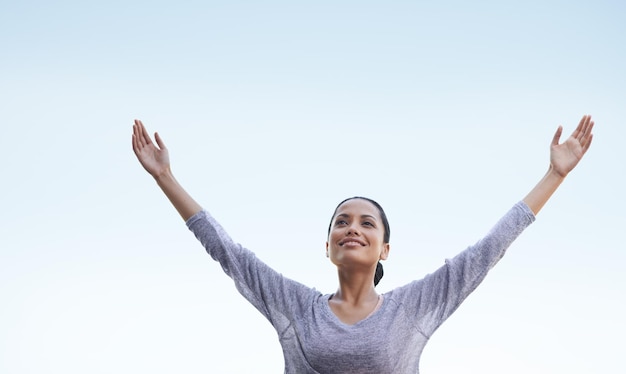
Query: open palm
{"type": "Point", "coordinates": [565, 156]}
{"type": "Point", "coordinates": [154, 159]}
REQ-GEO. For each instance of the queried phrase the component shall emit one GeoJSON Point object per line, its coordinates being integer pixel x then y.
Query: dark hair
{"type": "Point", "coordinates": [379, 267]}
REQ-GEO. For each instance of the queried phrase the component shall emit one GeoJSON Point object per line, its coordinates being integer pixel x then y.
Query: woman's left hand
{"type": "Point", "coordinates": [565, 156]}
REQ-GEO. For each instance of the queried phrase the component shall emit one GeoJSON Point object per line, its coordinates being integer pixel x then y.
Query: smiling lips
{"type": "Point", "coordinates": [352, 242]}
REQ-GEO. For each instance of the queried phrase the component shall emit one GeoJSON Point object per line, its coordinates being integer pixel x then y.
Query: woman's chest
{"type": "Point", "coordinates": [377, 344]}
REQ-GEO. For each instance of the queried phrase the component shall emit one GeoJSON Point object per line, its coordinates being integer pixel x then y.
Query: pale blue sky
{"type": "Point", "coordinates": [274, 111]}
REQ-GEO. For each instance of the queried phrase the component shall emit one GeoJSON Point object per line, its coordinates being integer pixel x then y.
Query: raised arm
{"type": "Point", "coordinates": [563, 158]}
{"type": "Point", "coordinates": [155, 159]}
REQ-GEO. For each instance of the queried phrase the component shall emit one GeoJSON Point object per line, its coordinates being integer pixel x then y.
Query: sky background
{"type": "Point", "coordinates": [274, 111]}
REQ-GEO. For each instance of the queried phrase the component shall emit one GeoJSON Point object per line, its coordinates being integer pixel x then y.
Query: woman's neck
{"type": "Point", "coordinates": [355, 288]}
{"type": "Point", "coordinates": [355, 299]}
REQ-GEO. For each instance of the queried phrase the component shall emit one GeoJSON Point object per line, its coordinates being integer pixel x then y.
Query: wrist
{"type": "Point", "coordinates": [554, 173]}
{"type": "Point", "coordinates": [163, 175]}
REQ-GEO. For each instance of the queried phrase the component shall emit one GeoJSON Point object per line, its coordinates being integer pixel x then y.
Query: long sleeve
{"type": "Point", "coordinates": [439, 294]}
{"type": "Point", "coordinates": [278, 298]}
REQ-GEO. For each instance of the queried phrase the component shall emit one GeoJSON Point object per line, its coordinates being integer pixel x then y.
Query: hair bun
{"type": "Point", "coordinates": [379, 273]}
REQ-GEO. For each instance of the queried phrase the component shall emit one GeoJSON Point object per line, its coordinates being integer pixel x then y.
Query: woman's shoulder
{"type": "Point", "coordinates": [410, 289]}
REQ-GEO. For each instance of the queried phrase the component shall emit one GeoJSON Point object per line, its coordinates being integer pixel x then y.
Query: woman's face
{"type": "Point", "coordinates": [357, 235]}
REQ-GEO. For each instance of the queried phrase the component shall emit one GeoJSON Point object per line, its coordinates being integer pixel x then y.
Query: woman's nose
{"type": "Point", "coordinates": [353, 230]}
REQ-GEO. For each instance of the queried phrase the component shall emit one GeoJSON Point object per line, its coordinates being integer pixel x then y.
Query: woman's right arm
{"type": "Point", "coordinates": [275, 296]}
{"type": "Point", "coordinates": [155, 159]}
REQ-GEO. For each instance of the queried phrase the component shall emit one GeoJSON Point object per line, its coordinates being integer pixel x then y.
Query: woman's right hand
{"type": "Point", "coordinates": [155, 160]}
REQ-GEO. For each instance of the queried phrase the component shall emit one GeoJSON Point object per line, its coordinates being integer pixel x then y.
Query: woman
{"type": "Point", "coordinates": [355, 329]}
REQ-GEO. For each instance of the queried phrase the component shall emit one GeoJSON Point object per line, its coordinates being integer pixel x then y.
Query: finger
{"type": "Point", "coordinates": [135, 145]}
{"type": "Point", "coordinates": [586, 139]}
{"type": "Point", "coordinates": [557, 135]}
{"type": "Point", "coordinates": [588, 144]}
{"type": "Point", "coordinates": [137, 127]}
{"type": "Point", "coordinates": [580, 129]}
{"type": "Point", "coordinates": [576, 131]}
{"type": "Point", "coordinates": [587, 129]}
{"type": "Point", "coordinates": [136, 138]}
{"type": "Point", "coordinates": [143, 133]}
{"type": "Point", "coordinates": [159, 141]}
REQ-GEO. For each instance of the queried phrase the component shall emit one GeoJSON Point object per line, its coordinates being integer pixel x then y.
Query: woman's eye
{"type": "Point", "coordinates": [368, 224]}
{"type": "Point", "coordinates": [340, 222]}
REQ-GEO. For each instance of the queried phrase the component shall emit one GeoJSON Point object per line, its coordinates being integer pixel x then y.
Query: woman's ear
{"type": "Point", "coordinates": [385, 252]}
{"type": "Point", "coordinates": [327, 254]}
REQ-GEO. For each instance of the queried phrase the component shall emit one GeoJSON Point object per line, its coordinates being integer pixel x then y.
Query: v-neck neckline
{"type": "Point", "coordinates": [338, 320]}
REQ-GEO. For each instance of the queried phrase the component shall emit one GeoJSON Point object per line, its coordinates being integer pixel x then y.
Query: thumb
{"type": "Point", "coordinates": [555, 139]}
{"type": "Point", "coordinates": [159, 141]}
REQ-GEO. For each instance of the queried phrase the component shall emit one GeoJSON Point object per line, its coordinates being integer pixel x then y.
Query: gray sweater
{"type": "Point", "coordinates": [390, 340]}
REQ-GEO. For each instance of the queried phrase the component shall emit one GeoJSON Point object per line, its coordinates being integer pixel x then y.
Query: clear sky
{"type": "Point", "coordinates": [273, 112]}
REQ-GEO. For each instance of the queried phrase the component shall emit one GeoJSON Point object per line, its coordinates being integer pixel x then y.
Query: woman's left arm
{"type": "Point", "coordinates": [563, 158]}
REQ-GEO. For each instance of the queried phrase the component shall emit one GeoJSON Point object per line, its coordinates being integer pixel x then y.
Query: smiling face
{"type": "Point", "coordinates": [357, 235]}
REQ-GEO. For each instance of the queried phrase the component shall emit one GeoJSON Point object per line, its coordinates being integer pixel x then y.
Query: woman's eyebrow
{"type": "Point", "coordinates": [346, 215]}
{"type": "Point", "coordinates": [369, 216]}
